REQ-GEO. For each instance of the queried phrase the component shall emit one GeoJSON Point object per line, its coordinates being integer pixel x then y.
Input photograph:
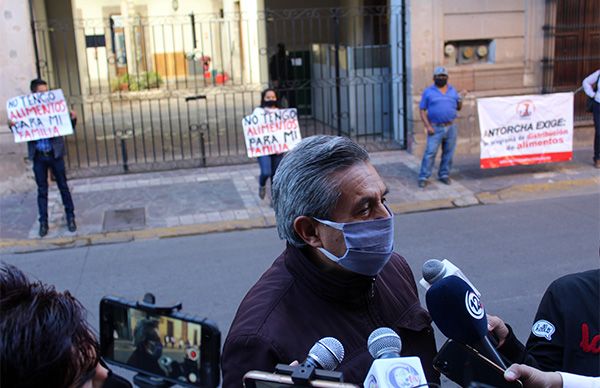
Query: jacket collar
{"type": "Point", "coordinates": [346, 288]}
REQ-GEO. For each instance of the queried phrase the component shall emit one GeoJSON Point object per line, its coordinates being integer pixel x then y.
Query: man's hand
{"type": "Point", "coordinates": [73, 115]}
{"type": "Point", "coordinates": [533, 378]}
{"type": "Point", "coordinates": [497, 327]}
{"type": "Point", "coordinates": [429, 130]}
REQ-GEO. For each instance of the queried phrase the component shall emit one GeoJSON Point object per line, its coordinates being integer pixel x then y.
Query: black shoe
{"type": "Point", "coordinates": [71, 225]}
{"type": "Point", "coordinates": [445, 181]}
{"type": "Point", "coordinates": [422, 183]}
{"type": "Point", "coordinates": [262, 191]}
{"type": "Point", "coordinates": [43, 229]}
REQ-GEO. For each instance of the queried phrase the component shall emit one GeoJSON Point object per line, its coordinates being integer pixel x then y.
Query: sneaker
{"type": "Point", "coordinates": [262, 191]}
{"type": "Point", "coordinates": [43, 229]}
{"type": "Point", "coordinates": [422, 183]}
{"type": "Point", "coordinates": [445, 181]}
{"type": "Point", "coordinates": [71, 225]}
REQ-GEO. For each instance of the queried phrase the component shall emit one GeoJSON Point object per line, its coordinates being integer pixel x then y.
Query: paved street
{"type": "Point", "coordinates": [511, 251]}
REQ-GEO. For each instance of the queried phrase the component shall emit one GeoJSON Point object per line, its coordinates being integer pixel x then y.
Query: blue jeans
{"type": "Point", "coordinates": [596, 113]}
{"type": "Point", "coordinates": [41, 164]}
{"type": "Point", "coordinates": [446, 136]}
{"type": "Point", "coordinates": [268, 165]}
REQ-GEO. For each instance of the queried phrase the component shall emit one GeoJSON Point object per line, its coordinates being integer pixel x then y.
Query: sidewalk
{"type": "Point", "coordinates": [195, 201]}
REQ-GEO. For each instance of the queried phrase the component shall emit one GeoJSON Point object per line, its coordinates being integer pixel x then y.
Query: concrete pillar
{"type": "Point", "coordinates": [17, 61]}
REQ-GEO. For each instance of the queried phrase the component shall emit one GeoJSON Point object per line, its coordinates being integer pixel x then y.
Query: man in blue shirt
{"type": "Point", "coordinates": [48, 154]}
{"type": "Point", "coordinates": [440, 103]}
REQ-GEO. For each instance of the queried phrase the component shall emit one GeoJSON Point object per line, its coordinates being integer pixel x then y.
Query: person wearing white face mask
{"type": "Point", "coordinates": [338, 275]}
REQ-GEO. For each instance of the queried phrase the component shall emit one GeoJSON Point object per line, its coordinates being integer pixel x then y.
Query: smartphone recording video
{"type": "Point", "coordinates": [176, 347]}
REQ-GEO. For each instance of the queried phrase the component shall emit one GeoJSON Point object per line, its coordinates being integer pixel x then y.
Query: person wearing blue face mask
{"type": "Point", "coordinates": [338, 275]}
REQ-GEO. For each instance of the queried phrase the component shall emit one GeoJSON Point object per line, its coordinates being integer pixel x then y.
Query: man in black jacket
{"type": "Point", "coordinates": [565, 335]}
{"type": "Point", "coordinates": [338, 276]}
{"type": "Point", "coordinates": [48, 154]}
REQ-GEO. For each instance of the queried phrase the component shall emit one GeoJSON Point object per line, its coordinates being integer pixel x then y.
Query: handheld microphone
{"type": "Point", "coordinates": [390, 369]}
{"type": "Point", "coordinates": [327, 353]}
{"type": "Point", "coordinates": [435, 270]}
{"type": "Point", "coordinates": [457, 311]}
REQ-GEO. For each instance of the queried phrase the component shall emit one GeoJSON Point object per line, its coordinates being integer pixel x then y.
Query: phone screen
{"type": "Point", "coordinates": [174, 347]}
{"type": "Point", "coordinates": [465, 366]}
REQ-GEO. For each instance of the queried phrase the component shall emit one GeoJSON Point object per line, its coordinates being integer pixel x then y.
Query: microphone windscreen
{"type": "Point", "coordinates": [433, 269]}
{"type": "Point", "coordinates": [456, 310]}
{"type": "Point", "coordinates": [384, 340]}
{"type": "Point", "coordinates": [328, 352]}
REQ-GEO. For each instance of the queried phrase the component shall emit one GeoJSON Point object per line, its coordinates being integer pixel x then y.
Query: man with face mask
{"type": "Point", "coordinates": [45, 340]}
{"type": "Point", "coordinates": [148, 347]}
{"type": "Point", "coordinates": [338, 275]}
{"type": "Point", "coordinates": [438, 109]}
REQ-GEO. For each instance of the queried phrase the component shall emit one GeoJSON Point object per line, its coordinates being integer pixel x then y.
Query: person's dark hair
{"type": "Point", "coordinates": [35, 83]}
{"type": "Point", "coordinates": [264, 93]}
{"type": "Point", "coordinates": [45, 340]}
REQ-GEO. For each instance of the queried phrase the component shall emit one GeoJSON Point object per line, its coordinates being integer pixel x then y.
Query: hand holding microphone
{"type": "Point", "coordinates": [457, 311]}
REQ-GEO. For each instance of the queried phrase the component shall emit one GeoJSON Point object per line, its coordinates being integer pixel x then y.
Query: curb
{"type": "Point", "coordinates": [512, 193]}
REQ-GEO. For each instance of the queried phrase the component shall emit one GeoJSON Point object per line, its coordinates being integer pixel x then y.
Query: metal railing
{"type": "Point", "coordinates": [164, 92]}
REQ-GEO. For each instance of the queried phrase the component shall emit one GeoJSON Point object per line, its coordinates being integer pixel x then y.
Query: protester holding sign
{"type": "Point", "coordinates": [591, 87]}
{"type": "Point", "coordinates": [39, 117]}
{"type": "Point", "coordinates": [268, 163]}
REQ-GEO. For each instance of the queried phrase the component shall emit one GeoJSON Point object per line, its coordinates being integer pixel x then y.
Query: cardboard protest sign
{"type": "Point", "coordinates": [520, 130]}
{"type": "Point", "coordinates": [39, 116]}
{"type": "Point", "coordinates": [270, 132]}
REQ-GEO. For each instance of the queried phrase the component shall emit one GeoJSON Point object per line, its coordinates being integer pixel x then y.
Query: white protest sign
{"type": "Point", "coordinates": [39, 116]}
{"type": "Point", "coordinates": [271, 131]}
{"type": "Point", "coordinates": [521, 130]}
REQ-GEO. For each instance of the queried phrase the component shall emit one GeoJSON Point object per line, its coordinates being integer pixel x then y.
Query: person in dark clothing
{"type": "Point", "coordinates": [148, 347]}
{"type": "Point", "coordinates": [281, 76]}
{"type": "Point", "coordinates": [565, 335]}
{"type": "Point", "coordinates": [338, 275]}
{"type": "Point", "coordinates": [48, 154]}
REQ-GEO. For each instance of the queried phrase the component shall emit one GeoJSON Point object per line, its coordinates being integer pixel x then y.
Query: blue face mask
{"type": "Point", "coordinates": [369, 244]}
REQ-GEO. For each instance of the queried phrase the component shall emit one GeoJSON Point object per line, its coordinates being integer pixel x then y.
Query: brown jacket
{"type": "Point", "coordinates": [294, 304]}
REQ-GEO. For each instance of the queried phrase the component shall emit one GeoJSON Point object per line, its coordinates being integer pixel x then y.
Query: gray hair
{"type": "Point", "coordinates": [302, 185]}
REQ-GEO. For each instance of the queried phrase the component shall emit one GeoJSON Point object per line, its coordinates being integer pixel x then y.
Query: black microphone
{"type": "Point", "coordinates": [457, 311]}
{"type": "Point", "coordinates": [327, 353]}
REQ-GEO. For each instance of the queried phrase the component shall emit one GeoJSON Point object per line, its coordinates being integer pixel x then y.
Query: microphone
{"type": "Point", "coordinates": [457, 311]}
{"type": "Point", "coordinates": [327, 353]}
{"type": "Point", "coordinates": [435, 270]}
{"type": "Point", "coordinates": [390, 369]}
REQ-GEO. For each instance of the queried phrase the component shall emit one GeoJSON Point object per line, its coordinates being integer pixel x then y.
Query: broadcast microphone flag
{"type": "Point", "coordinates": [457, 311]}
{"type": "Point", "coordinates": [390, 369]}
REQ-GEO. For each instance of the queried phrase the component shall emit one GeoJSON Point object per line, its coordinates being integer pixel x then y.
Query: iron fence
{"type": "Point", "coordinates": [163, 92]}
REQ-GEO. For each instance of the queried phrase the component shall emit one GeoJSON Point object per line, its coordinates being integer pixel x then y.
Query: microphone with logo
{"type": "Point", "coordinates": [390, 369]}
{"type": "Point", "coordinates": [457, 311]}
{"type": "Point", "coordinates": [434, 270]}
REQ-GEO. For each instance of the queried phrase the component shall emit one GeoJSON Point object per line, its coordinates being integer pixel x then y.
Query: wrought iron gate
{"type": "Point", "coordinates": [167, 92]}
{"type": "Point", "coordinates": [571, 47]}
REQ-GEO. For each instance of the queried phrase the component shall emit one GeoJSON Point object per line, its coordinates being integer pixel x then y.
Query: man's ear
{"type": "Point", "coordinates": [306, 228]}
